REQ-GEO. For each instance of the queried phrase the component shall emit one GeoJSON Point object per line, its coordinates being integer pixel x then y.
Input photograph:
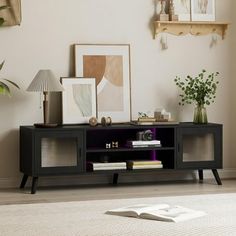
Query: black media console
{"type": "Point", "coordinates": [67, 149]}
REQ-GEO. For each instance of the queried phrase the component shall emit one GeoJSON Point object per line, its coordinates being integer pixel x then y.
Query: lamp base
{"type": "Point", "coordinates": [42, 125]}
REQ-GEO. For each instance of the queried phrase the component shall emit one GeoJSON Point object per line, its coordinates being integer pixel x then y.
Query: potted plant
{"type": "Point", "coordinates": [4, 88]}
{"type": "Point", "coordinates": [200, 90]}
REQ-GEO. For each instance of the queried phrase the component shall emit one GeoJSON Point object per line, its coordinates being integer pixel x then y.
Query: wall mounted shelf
{"type": "Point", "coordinates": [196, 28]}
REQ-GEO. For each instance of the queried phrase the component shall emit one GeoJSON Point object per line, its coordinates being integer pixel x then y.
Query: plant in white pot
{"type": "Point", "coordinates": [200, 90]}
{"type": "Point", "coordinates": [4, 83]}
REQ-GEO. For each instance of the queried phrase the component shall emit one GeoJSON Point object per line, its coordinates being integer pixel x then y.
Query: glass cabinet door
{"type": "Point", "coordinates": [199, 146]}
{"type": "Point", "coordinates": [59, 152]}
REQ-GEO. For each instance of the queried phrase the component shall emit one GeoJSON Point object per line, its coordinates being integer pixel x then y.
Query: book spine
{"type": "Point", "coordinates": [145, 145]}
{"type": "Point", "coordinates": [160, 166]}
{"type": "Point", "coordinates": [110, 168]}
{"type": "Point", "coordinates": [110, 164]}
{"type": "Point", "coordinates": [148, 119]}
{"type": "Point", "coordinates": [134, 163]}
{"type": "Point", "coordinates": [140, 142]}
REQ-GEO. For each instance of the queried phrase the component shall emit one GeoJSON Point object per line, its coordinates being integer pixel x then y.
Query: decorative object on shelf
{"type": "Point", "coordinates": [145, 135]}
{"type": "Point", "coordinates": [182, 9]}
{"type": "Point", "coordinates": [45, 82]}
{"type": "Point", "coordinates": [200, 90]}
{"type": "Point", "coordinates": [114, 144]}
{"type": "Point", "coordinates": [162, 15]}
{"type": "Point", "coordinates": [157, 113]}
{"type": "Point", "coordinates": [203, 10]}
{"type": "Point", "coordinates": [106, 121]}
{"type": "Point", "coordinates": [108, 145]}
{"type": "Point", "coordinates": [10, 13]}
{"type": "Point", "coordinates": [78, 100]}
{"type": "Point", "coordinates": [93, 121]}
{"type": "Point", "coordinates": [4, 88]}
{"type": "Point", "coordinates": [172, 15]}
{"type": "Point", "coordinates": [110, 66]}
{"type": "Point", "coordinates": [165, 116]}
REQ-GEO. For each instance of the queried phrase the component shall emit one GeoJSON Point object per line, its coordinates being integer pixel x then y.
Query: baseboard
{"type": "Point", "coordinates": [123, 178]}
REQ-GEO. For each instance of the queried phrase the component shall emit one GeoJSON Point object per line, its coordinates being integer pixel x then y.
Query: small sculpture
{"type": "Point", "coordinates": [114, 144]}
{"type": "Point", "coordinates": [105, 121]}
{"type": "Point", "coordinates": [93, 121]}
{"type": "Point", "coordinates": [163, 16]}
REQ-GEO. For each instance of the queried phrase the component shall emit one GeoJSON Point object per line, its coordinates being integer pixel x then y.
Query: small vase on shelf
{"type": "Point", "coordinates": [200, 115]}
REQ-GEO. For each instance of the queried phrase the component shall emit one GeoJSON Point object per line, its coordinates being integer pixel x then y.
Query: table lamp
{"type": "Point", "coordinates": [45, 82]}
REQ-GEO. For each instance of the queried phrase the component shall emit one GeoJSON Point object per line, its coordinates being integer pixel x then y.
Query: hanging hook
{"type": "Point", "coordinates": [163, 41]}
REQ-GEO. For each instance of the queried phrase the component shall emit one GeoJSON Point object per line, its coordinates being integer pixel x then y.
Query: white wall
{"type": "Point", "coordinates": [50, 27]}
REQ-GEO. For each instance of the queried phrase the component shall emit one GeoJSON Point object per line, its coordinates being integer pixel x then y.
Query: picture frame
{"type": "Point", "coordinates": [203, 10]}
{"type": "Point", "coordinates": [78, 100]}
{"type": "Point", "coordinates": [182, 9]}
{"type": "Point", "coordinates": [109, 64]}
{"type": "Point", "coordinates": [12, 14]}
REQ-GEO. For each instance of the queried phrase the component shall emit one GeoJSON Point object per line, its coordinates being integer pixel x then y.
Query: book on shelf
{"type": "Point", "coordinates": [109, 168]}
{"type": "Point", "coordinates": [91, 166]}
{"type": "Point", "coordinates": [143, 143]}
{"type": "Point", "coordinates": [146, 119]}
{"type": "Point", "coordinates": [160, 212]}
{"type": "Point", "coordinates": [140, 167]}
{"type": "Point", "coordinates": [144, 162]}
{"type": "Point", "coordinates": [105, 164]}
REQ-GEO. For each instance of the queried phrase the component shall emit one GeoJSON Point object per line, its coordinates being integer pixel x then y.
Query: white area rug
{"type": "Point", "coordinates": [88, 218]}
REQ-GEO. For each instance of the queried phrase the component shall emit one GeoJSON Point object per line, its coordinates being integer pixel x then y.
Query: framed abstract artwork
{"type": "Point", "coordinates": [110, 66]}
{"type": "Point", "coordinates": [182, 9]}
{"type": "Point", "coordinates": [203, 10]}
{"type": "Point", "coordinates": [11, 14]}
{"type": "Point", "coordinates": [78, 100]}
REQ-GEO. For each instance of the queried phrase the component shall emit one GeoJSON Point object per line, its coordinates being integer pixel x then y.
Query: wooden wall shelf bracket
{"type": "Point", "coordinates": [180, 28]}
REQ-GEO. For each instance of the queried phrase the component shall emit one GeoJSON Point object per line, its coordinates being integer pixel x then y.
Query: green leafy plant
{"type": "Point", "coordinates": [4, 88]}
{"type": "Point", "coordinates": [200, 90]}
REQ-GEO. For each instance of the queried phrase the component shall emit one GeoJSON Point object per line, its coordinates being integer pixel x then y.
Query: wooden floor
{"type": "Point", "coordinates": [83, 193]}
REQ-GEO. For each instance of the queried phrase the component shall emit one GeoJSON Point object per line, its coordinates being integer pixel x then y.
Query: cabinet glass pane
{"type": "Point", "coordinates": [58, 152]}
{"type": "Point", "coordinates": [198, 147]}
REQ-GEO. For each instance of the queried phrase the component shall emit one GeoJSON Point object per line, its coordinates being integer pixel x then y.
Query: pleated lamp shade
{"type": "Point", "coordinates": [45, 81]}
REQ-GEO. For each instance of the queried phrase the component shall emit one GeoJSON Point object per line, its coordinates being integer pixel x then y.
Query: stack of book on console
{"type": "Point", "coordinates": [143, 143]}
{"type": "Point", "coordinates": [145, 164]}
{"type": "Point", "coordinates": [93, 166]}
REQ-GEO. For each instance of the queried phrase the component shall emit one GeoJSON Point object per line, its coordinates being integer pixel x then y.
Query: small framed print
{"type": "Point", "coordinates": [182, 9]}
{"type": "Point", "coordinates": [203, 10]}
{"type": "Point", "coordinates": [78, 100]}
{"type": "Point", "coordinates": [109, 64]}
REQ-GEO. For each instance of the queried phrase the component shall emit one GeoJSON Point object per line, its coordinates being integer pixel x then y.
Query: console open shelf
{"type": "Point", "coordinates": [196, 28]}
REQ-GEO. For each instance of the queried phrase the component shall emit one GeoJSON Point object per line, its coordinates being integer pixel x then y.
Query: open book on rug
{"type": "Point", "coordinates": [162, 212]}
